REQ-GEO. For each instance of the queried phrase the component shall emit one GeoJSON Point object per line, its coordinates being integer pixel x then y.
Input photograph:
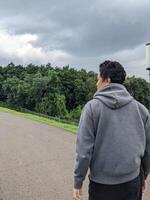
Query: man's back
{"type": "Point", "coordinates": [118, 126]}
{"type": "Point", "coordinates": [120, 136]}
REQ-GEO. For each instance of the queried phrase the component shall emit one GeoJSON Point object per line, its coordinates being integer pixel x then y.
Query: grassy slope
{"type": "Point", "coordinates": [68, 127]}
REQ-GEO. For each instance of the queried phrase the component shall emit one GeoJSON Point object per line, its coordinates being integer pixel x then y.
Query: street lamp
{"type": "Point", "coordinates": [148, 65]}
{"type": "Point", "coordinates": [148, 58]}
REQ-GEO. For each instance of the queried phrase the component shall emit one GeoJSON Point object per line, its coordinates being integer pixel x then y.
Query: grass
{"type": "Point", "coordinates": [68, 127]}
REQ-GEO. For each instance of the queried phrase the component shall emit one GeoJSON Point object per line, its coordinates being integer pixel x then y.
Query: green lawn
{"type": "Point", "coordinates": [68, 127]}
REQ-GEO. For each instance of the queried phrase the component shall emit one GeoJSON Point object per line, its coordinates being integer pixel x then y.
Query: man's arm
{"type": "Point", "coordinates": [146, 157]}
{"type": "Point", "coordinates": [84, 146]}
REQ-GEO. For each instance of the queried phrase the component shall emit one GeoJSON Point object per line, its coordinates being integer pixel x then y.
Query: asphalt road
{"type": "Point", "coordinates": [36, 161]}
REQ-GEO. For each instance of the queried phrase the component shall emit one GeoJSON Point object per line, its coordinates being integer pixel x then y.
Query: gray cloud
{"type": "Point", "coordinates": [96, 28]}
{"type": "Point", "coordinates": [86, 30]}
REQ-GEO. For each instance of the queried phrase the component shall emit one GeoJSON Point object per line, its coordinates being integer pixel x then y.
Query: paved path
{"type": "Point", "coordinates": [36, 161]}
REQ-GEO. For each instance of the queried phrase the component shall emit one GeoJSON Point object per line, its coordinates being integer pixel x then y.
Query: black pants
{"type": "Point", "coordinates": [131, 190]}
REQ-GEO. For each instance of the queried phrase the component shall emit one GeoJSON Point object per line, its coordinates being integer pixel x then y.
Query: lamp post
{"type": "Point", "coordinates": [148, 58]}
{"type": "Point", "coordinates": [148, 66]}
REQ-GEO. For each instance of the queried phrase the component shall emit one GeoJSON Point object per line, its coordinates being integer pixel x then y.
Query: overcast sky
{"type": "Point", "coordinates": [79, 33]}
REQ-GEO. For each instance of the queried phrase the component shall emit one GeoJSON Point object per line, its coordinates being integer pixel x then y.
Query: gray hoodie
{"type": "Point", "coordinates": [113, 140]}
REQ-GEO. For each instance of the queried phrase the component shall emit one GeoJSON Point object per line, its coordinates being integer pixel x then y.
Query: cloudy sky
{"type": "Point", "coordinates": [79, 33]}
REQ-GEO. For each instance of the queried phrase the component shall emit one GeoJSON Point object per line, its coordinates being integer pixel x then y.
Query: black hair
{"type": "Point", "coordinates": [113, 70]}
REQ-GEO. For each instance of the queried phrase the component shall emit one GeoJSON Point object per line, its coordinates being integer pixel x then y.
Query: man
{"type": "Point", "coordinates": [113, 141]}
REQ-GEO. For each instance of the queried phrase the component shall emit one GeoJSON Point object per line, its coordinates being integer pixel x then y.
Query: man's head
{"type": "Point", "coordinates": [110, 72]}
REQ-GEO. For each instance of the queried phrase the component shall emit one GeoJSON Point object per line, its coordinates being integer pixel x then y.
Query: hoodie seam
{"type": "Point", "coordinates": [143, 120]}
{"type": "Point", "coordinates": [92, 119]}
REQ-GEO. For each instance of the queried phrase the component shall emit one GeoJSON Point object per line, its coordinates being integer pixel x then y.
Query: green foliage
{"type": "Point", "coordinates": [60, 107]}
{"type": "Point", "coordinates": [58, 92]}
{"type": "Point", "coordinates": [45, 106]}
{"type": "Point", "coordinates": [139, 89]}
{"type": "Point", "coordinates": [76, 112]}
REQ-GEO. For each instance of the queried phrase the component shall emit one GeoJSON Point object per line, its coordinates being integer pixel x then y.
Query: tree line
{"type": "Point", "coordinates": [54, 91]}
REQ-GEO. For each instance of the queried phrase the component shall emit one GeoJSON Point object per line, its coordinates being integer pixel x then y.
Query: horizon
{"type": "Point", "coordinates": [71, 67]}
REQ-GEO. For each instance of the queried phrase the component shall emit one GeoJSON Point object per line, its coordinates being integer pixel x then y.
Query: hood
{"type": "Point", "coordinates": [114, 96]}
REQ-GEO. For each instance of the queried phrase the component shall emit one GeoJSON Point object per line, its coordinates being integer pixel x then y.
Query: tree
{"type": "Point", "coordinates": [139, 89]}
{"type": "Point", "coordinates": [10, 90]}
{"type": "Point", "coordinates": [31, 69]}
{"type": "Point", "coordinates": [76, 112]}
{"type": "Point", "coordinates": [60, 92]}
{"type": "Point", "coordinates": [37, 90]}
{"type": "Point", "coordinates": [44, 106]}
{"type": "Point", "coordinates": [53, 105]}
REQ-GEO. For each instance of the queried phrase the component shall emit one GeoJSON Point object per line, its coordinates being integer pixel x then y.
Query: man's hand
{"type": "Point", "coordinates": [145, 186]}
{"type": "Point", "coordinates": [77, 194]}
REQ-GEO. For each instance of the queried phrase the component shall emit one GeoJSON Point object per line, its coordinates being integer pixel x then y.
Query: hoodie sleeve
{"type": "Point", "coordinates": [84, 146]}
{"type": "Point", "coordinates": [146, 157]}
